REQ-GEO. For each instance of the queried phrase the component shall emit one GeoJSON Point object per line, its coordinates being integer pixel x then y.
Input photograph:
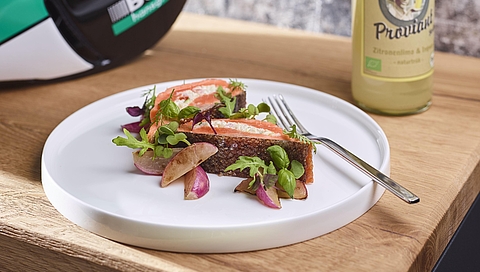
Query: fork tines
{"type": "Point", "coordinates": [283, 113]}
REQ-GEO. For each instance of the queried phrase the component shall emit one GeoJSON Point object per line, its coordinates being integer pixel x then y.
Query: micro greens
{"type": "Point", "coordinates": [133, 142]}
{"type": "Point", "coordinates": [161, 146]}
{"type": "Point", "coordinates": [143, 112]}
{"type": "Point", "coordinates": [250, 112]}
{"type": "Point", "coordinates": [287, 171]}
{"type": "Point", "coordinates": [227, 100]}
{"type": "Point", "coordinates": [148, 106]}
{"type": "Point", "coordinates": [258, 168]}
{"type": "Point", "coordinates": [166, 134]}
{"type": "Point", "coordinates": [286, 177]}
{"type": "Point", "coordinates": [234, 84]}
{"type": "Point", "coordinates": [171, 112]}
{"type": "Point", "coordinates": [199, 117]}
{"type": "Point", "coordinates": [292, 133]}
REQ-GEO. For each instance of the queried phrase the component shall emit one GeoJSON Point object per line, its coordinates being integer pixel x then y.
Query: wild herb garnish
{"type": "Point", "coordinates": [286, 171]}
{"type": "Point", "coordinates": [165, 137]}
{"type": "Point", "coordinates": [227, 100]}
{"type": "Point", "coordinates": [171, 112]}
{"type": "Point", "coordinates": [166, 134]}
{"type": "Point", "coordinates": [148, 106]}
{"type": "Point", "coordinates": [292, 133]}
{"type": "Point", "coordinates": [143, 112]}
{"type": "Point", "coordinates": [250, 112]}
{"type": "Point", "coordinates": [234, 84]}
{"type": "Point", "coordinates": [199, 117]}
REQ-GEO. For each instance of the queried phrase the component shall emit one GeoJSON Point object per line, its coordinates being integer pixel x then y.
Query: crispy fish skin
{"type": "Point", "coordinates": [231, 147]}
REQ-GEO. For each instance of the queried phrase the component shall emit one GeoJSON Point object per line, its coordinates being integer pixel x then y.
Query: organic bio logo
{"type": "Point", "coordinates": [373, 64]}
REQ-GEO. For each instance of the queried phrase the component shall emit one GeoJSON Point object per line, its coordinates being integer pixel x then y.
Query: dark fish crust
{"type": "Point", "coordinates": [232, 147]}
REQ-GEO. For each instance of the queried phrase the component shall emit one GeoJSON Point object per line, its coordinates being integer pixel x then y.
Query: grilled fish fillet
{"type": "Point", "coordinates": [246, 137]}
{"type": "Point", "coordinates": [200, 94]}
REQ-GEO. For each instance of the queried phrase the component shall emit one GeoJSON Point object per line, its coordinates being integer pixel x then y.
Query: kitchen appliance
{"type": "Point", "coordinates": [45, 40]}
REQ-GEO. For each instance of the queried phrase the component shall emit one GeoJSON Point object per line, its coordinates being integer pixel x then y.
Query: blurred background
{"type": "Point", "coordinates": [457, 23]}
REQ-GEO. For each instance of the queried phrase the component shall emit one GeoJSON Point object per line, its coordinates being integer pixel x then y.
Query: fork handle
{"type": "Point", "coordinates": [369, 170]}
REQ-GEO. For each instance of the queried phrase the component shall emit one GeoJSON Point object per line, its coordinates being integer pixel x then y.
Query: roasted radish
{"type": "Point", "coordinates": [186, 160]}
{"type": "Point", "coordinates": [149, 165]}
{"type": "Point", "coordinates": [268, 197]}
{"type": "Point", "coordinates": [299, 193]}
{"type": "Point", "coordinates": [197, 183]}
{"type": "Point", "coordinates": [244, 187]}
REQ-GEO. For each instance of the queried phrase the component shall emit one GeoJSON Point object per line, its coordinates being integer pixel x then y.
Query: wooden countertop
{"type": "Point", "coordinates": [435, 154]}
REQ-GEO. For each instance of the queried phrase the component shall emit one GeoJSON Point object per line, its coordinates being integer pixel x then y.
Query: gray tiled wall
{"type": "Point", "coordinates": [457, 25]}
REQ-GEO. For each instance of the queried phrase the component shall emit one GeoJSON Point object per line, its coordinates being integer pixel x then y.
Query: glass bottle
{"type": "Point", "coordinates": [393, 52]}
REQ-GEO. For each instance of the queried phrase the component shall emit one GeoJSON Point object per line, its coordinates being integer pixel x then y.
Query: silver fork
{"type": "Point", "coordinates": [286, 117]}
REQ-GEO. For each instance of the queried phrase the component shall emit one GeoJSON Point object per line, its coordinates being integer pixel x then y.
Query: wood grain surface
{"type": "Point", "coordinates": [435, 154]}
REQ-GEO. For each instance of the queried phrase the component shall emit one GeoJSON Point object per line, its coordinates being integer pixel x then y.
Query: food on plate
{"type": "Point", "coordinates": [204, 127]}
{"type": "Point", "coordinates": [268, 196]}
{"type": "Point", "coordinates": [300, 191]}
{"type": "Point", "coordinates": [246, 137]}
{"type": "Point", "coordinates": [186, 160]}
{"type": "Point", "coordinates": [197, 183]}
{"type": "Point", "coordinates": [269, 177]}
{"type": "Point", "coordinates": [202, 96]}
{"type": "Point", "coordinates": [150, 164]}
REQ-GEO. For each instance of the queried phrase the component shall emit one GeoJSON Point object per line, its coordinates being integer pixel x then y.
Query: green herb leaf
{"type": "Point", "coordinates": [279, 156]}
{"type": "Point", "coordinates": [254, 163]}
{"type": "Point", "coordinates": [297, 169]}
{"type": "Point", "coordinates": [234, 84]}
{"type": "Point", "coordinates": [252, 111]}
{"type": "Point", "coordinates": [287, 180]}
{"type": "Point", "coordinates": [174, 139]}
{"type": "Point", "coordinates": [169, 109]}
{"type": "Point", "coordinates": [133, 142]}
{"type": "Point", "coordinates": [162, 139]}
{"type": "Point", "coordinates": [292, 133]}
{"type": "Point", "coordinates": [165, 129]}
{"type": "Point", "coordinates": [148, 105]}
{"type": "Point", "coordinates": [271, 169]}
{"type": "Point", "coordinates": [159, 151]}
{"type": "Point", "coordinates": [173, 126]}
{"type": "Point", "coordinates": [188, 112]}
{"type": "Point", "coordinates": [227, 100]}
{"type": "Point", "coordinates": [263, 107]}
{"type": "Point", "coordinates": [271, 119]}
{"type": "Point", "coordinates": [167, 152]}
{"type": "Point", "coordinates": [269, 180]}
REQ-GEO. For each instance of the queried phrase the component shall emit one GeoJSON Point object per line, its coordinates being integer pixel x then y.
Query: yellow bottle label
{"type": "Point", "coordinates": [398, 38]}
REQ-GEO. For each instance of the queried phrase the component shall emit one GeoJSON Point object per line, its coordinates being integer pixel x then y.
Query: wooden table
{"type": "Point", "coordinates": [435, 154]}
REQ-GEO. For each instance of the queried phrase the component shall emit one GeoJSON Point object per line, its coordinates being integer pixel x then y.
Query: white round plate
{"type": "Point", "coordinates": [94, 183]}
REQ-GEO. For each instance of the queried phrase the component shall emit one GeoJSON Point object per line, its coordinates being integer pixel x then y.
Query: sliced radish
{"type": "Point", "coordinates": [300, 191]}
{"type": "Point", "coordinates": [244, 187]}
{"type": "Point", "coordinates": [149, 165]}
{"type": "Point", "coordinates": [186, 160]}
{"type": "Point", "coordinates": [268, 197]}
{"type": "Point", "coordinates": [197, 183]}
